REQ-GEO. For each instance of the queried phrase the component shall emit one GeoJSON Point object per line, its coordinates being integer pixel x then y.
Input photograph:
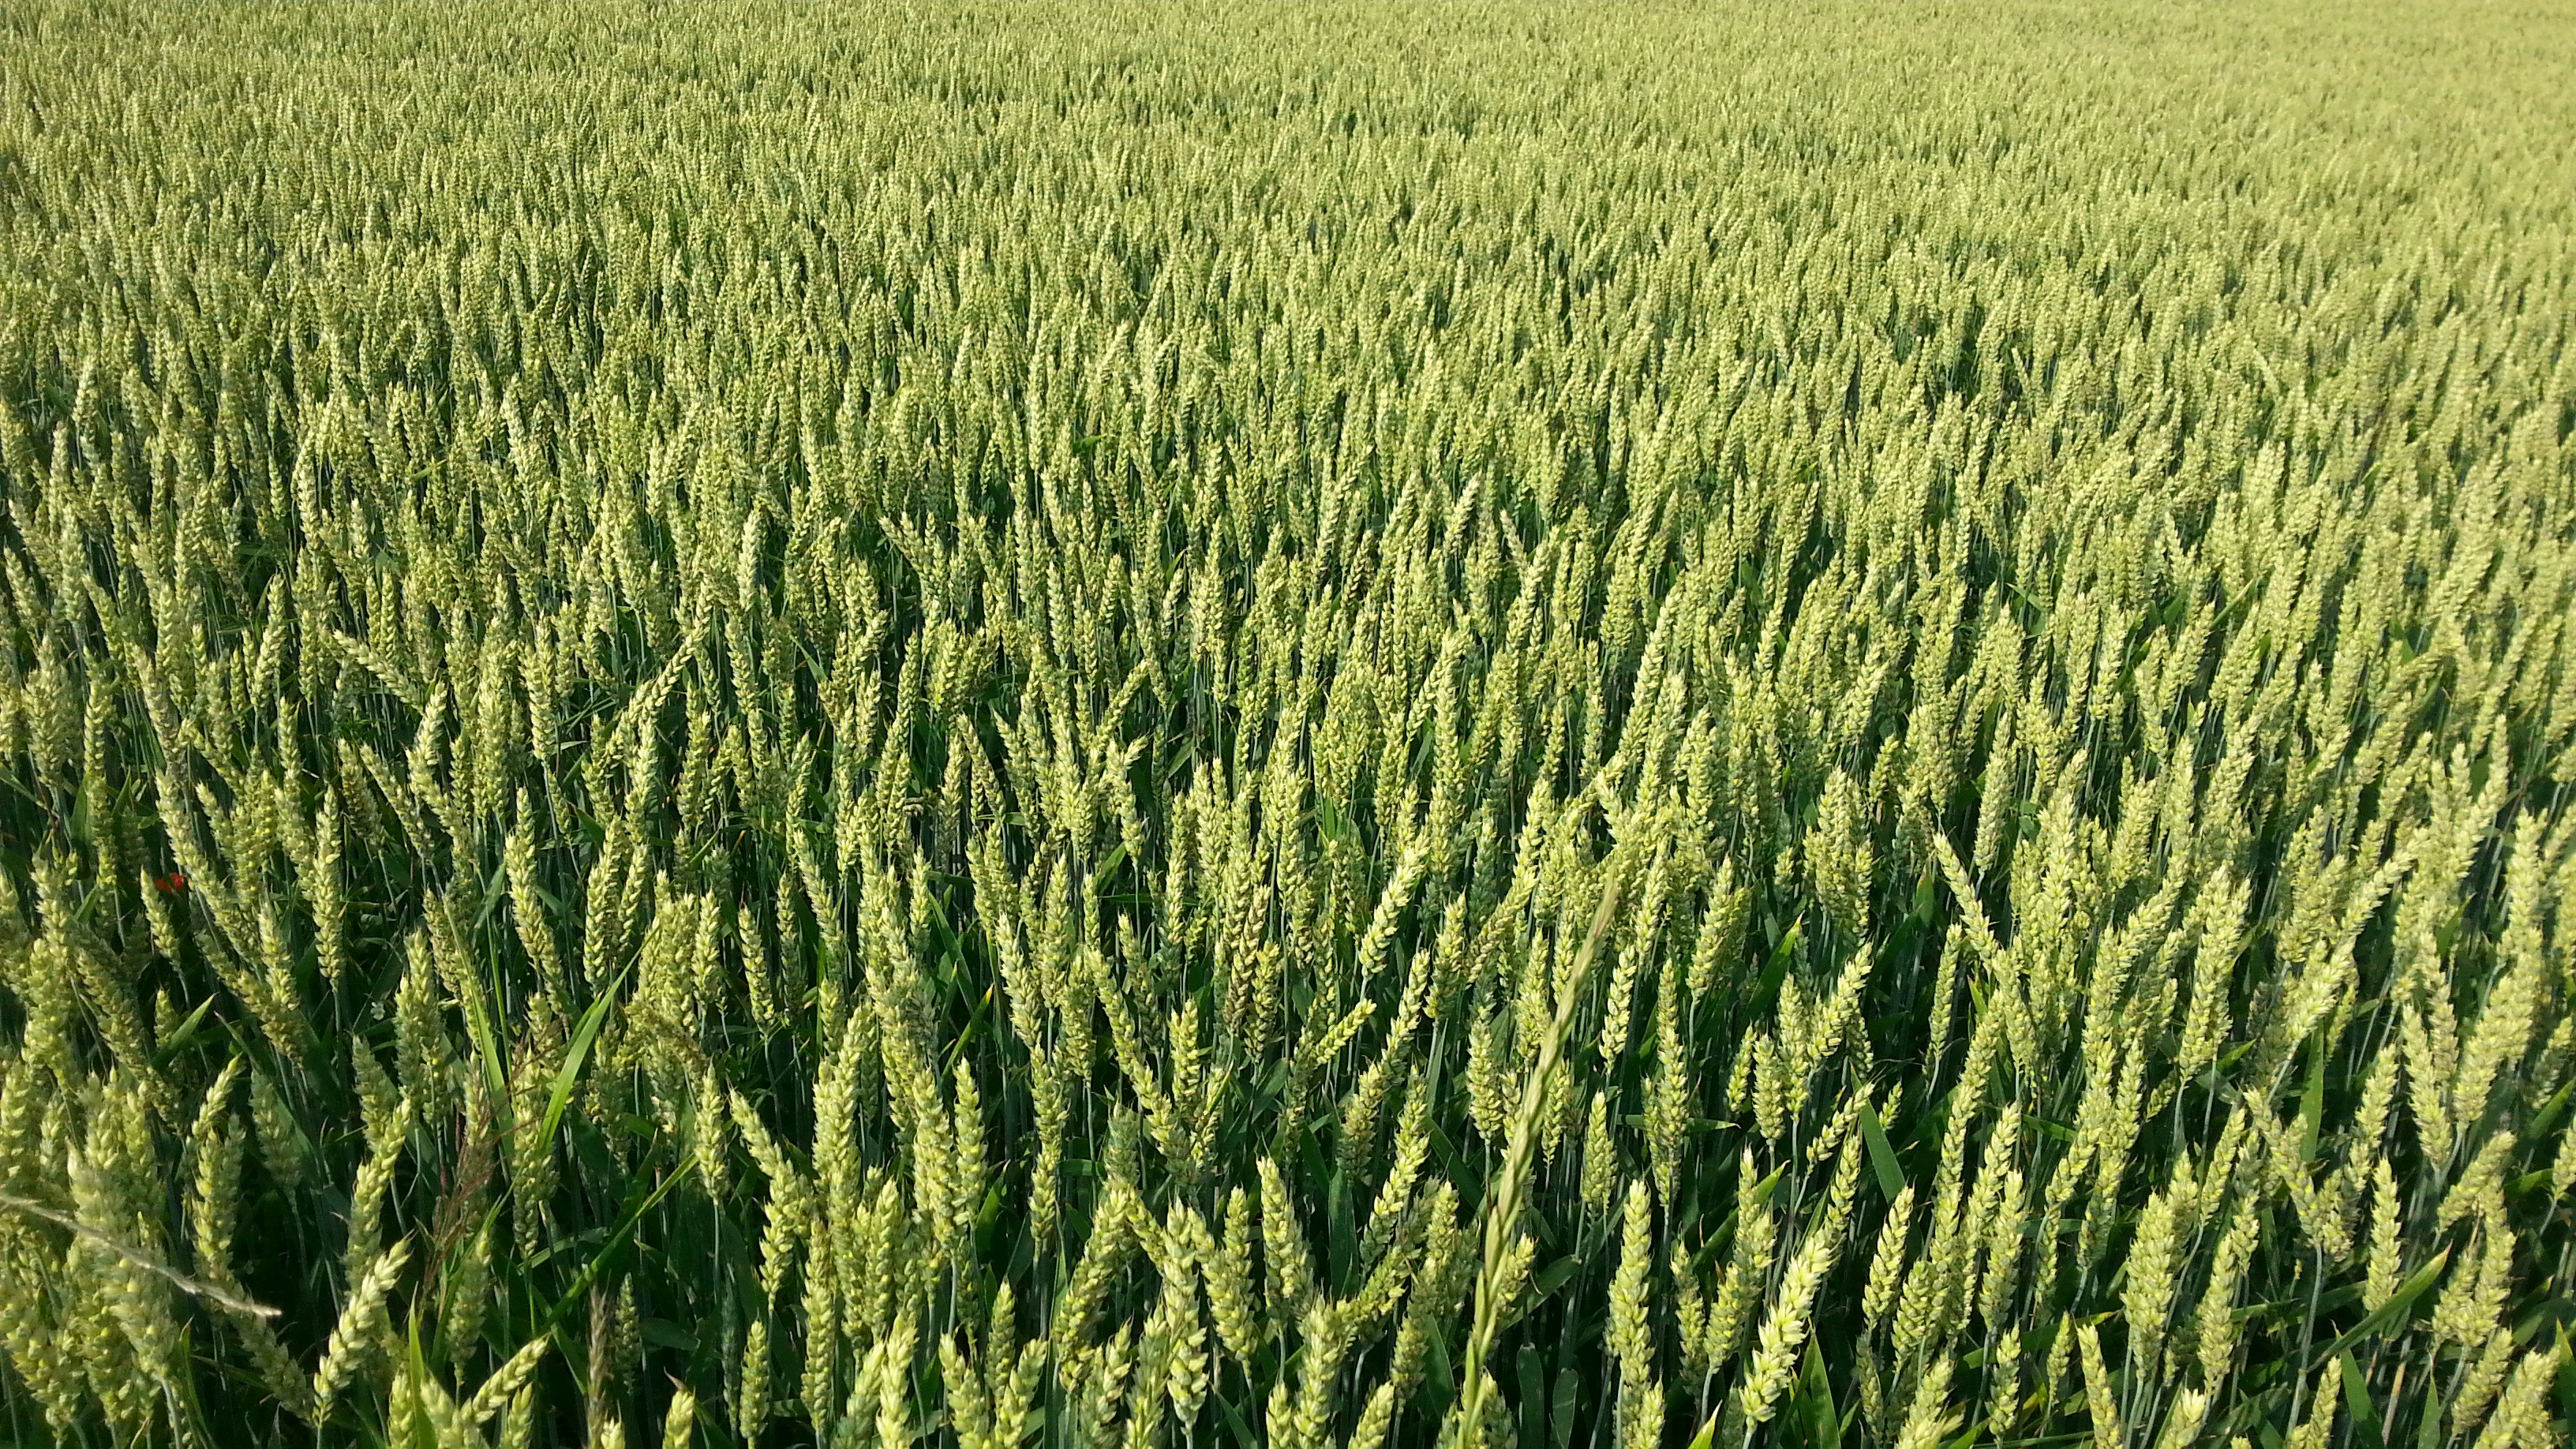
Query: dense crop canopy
{"type": "Point", "coordinates": [1824, 725]}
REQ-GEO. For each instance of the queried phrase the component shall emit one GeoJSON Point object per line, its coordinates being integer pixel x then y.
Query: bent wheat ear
{"type": "Point", "coordinates": [502, 1388]}
{"type": "Point", "coordinates": [1503, 1207]}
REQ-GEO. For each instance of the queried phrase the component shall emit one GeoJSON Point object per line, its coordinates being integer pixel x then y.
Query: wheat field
{"type": "Point", "coordinates": [1322, 724]}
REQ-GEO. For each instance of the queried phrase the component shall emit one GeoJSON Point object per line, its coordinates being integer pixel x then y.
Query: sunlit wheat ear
{"type": "Point", "coordinates": [359, 1331]}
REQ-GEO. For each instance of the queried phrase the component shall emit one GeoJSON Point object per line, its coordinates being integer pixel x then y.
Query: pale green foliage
{"type": "Point", "coordinates": [1155, 725]}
